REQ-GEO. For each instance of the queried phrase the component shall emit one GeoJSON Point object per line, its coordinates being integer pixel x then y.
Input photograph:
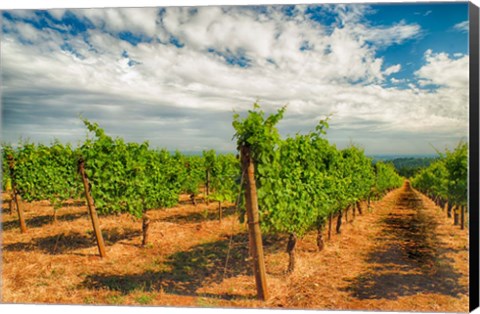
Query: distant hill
{"type": "Point", "coordinates": [408, 165]}
{"type": "Point", "coordinates": [401, 156]}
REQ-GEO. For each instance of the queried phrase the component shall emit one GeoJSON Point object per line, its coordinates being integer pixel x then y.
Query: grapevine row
{"type": "Point", "coordinates": [123, 177]}
{"type": "Point", "coordinates": [303, 180]}
{"type": "Point", "coordinates": [445, 181]}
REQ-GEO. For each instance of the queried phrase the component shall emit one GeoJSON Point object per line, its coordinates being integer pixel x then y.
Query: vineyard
{"type": "Point", "coordinates": [445, 182]}
{"type": "Point", "coordinates": [176, 229]}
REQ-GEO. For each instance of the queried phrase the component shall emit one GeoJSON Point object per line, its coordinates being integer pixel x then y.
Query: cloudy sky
{"type": "Point", "coordinates": [393, 77]}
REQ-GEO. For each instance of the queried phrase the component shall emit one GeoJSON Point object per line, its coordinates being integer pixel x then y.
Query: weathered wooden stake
{"type": "Point", "coordinates": [456, 215]}
{"type": "Point", "coordinates": [339, 222]}
{"type": "Point", "coordinates": [91, 209]}
{"type": "Point", "coordinates": [292, 242]}
{"type": "Point", "coordinates": [16, 197]}
{"type": "Point", "coordinates": [359, 208]}
{"type": "Point", "coordinates": [449, 209]}
{"type": "Point", "coordinates": [320, 243]}
{"type": "Point", "coordinates": [55, 220]}
{"type": "Point", "coordinates": [253, 223]}
{"type": "Point", "coordinates": [145, 227]}
{"type": "Point", "coordinates": [250, 243]}
{"type": "Point", "coordinates": [354, 205]}
{"type": "Point", "coordinates": [462, 217]}
{"type": "Point", "coordinates": [442, 204]}
{"type": "Point", "coordinates": [192, 198]}
{"type": "Point", "coordinates": [18, 205]}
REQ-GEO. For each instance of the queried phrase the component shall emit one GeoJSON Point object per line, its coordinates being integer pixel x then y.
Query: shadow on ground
{"type": "Point", "coordinates": [40, 221]}
{"type": "Point", "coordinates": [64, 243]}
{"type": "Point", "coordinates": [185, 272]}
{"type": "Point", "coordinates": [411, 261]}
{"type": "Point", "coordinates": [196, 217]}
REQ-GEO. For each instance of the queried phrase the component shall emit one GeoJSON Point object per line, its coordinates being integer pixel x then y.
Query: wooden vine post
{"type": "Point", "coordinates": [359, 208]}
{"type": "Point", "coordinates": [91, 209]}
{"type": "Point", "coordinates": [320, 242]}
{"type": "Point", "coordinates": [456, 215]}
{"type": "Point", "coordinates": [15, 196]}
{"type": "Point", "coordinates": [339, 221]}
{"type": "Point", "coordinates": [253, 223]}
{"type": "Point", "coordinates": [292, 241]}
{"type": "Point", "coordinates": [462, 217]}
{"type": "Point", "coordinates": [449, 208]}
{"type": "Point", "coordinates": [145, 228]}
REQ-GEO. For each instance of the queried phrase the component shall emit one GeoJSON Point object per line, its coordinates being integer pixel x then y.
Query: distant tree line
{"type": "Point", "coordinates": [409, 166]}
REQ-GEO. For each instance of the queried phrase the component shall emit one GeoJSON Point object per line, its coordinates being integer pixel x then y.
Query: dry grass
{"type": "Point", "coordinates": [383, 260]}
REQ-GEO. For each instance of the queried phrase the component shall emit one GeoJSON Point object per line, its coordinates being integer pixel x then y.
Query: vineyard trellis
{"type": "Point", "coordinates": [304, 179]}
{"type": "Point", "coordinates": [445, 181]}
{"type": "Point", "coordinates": [301, 182]}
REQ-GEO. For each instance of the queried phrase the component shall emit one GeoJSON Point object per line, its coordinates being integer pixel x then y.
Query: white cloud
{"type": "Point", "coordinates": [462, 26]}
{"type": "Point", "coordinates": [397, 81]}
{"type": "Point", "coordinates": [135, 20]}
{"type": "Point", "coordinates": [211, 27]}
{"type": "Point", "coordinates": [348, 14]}
{"type": "Point", "coordinates": [440, 69]}
{"type": "Point", "coordinates": [57, 13]}
{"type": "Point", "coordinates": [28, 32]}
{"type": "Point", "coordinates": [395, 34]}
{"type": "Point", "coordinates": [393, 69]}
{"type": "Point", "coordinates": [450, 101]}
{"type": "Point", "coordinates": [352, 17]}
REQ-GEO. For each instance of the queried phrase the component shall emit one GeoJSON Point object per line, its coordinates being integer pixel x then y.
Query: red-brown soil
{"type": "Point", "coordinates": [403, 254]}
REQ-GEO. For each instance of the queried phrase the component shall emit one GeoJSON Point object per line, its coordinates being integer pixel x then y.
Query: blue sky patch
{"type": "Point", "coordinates": [321, 14]}
{"type": "Point", "coordinates": [74, 24]}
{"type": "Point", "coordinates": [134, 39]}
{"type": "Point", "coordinates": [235, 59]}
{"type": "Point", "coordinates": [288, 10]}
{"type": "Point", "coordinates": [176, 42]}
{"type": "Point", "coordinates": [437, 22]}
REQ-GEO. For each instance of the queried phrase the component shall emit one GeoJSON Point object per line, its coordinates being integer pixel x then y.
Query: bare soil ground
{"type": "Point", "coordinates": [403, 254]}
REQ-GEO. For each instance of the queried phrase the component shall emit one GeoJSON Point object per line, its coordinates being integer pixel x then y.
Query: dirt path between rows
{"type": "Point", "coordinates": [402, 254]}
{"type": "Point", "coordinates": [410, 258]}
{"type": "Point", "coordinates": [405, 255]}
{"type": "Point", "coordinates": [413, 257]}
